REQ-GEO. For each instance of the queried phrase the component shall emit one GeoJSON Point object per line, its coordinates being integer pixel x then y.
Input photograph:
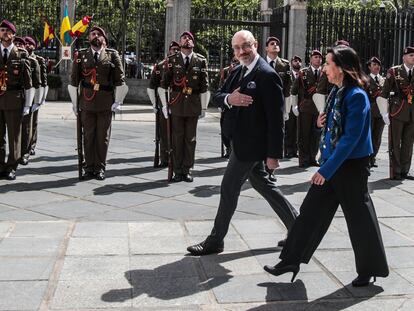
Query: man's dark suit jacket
{"type": "Point", "coordinates": [256, 131]}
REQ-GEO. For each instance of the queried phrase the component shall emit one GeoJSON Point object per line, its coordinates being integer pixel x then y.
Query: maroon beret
{"type": "Point", "coordinates": [188, 34]}
{"type": "Point", "coordinates": [316, 52]}
{"type": "Point", "coordinates": [174, 44]}
{"type": "Point", "coordinates": [374, 59]}
{"type": "Point", "coordinates": [408, 50]}
{"type": "Point", "coordinates": [341, 42]}
{"type": "Point", "coordinates": [103, 33]}
{"type": "Point", "coordinates": [20, 40]}
{"type": "Point", "coordinates": [296, 57]}
{"type": "Point", "coordinates": [6, 24]}
{"type": "Point", "coordinates": [270, 39]}
{"type": "Point", "coordinates": [30, 40]}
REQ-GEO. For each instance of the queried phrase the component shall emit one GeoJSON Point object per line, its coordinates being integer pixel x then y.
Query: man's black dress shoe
{"type": "Point", "coordinates": [11, 175]}
{"type": "Point", "coordinates": [204, 248]}
{"type": "Point", "coordinates": [281, 243]}
{"type": "Point", "coordinates": [282, 268]}
{"type": "Point", "coordinates": [407, 176]}
{"type": "Point", "coordinates": [362, 281]}
{"type": "Point", "coordinates": [188, 177]}
{"type": "Point", "coordinates": [177, 178]}
{"type": "Point", "coordinates": [100, 175]}
{"type": "Point", "coordinates": [88, 175]}
{"type": "Point", "coordinates": [314, 163]}
{"type": "Point", "coordinates": [397, 177]}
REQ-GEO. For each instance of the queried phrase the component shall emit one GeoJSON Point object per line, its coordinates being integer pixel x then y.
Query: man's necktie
{"type": "Point", "coordinates": [316, 74]}
{"type": "Point", "coordinates": [95, 56]}
{"type": "Point", "coordinates": [187, 62]}
{"type": "Point", "coordinates": [242, 73]}
{"type": "Point", "coordinates": [410, 74]}
{"type": "Point", "coordinates": [376, 79]}
{"type": "Point", "coordinates": [272, 64]}
{"type": "Point", "coordinates": [5, 56]}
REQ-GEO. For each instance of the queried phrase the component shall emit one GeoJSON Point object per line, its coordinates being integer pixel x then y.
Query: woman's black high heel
{"type": "Point", "coordinates": [282, 268]}
{"type": "Point", "coordinates": [362, 281]}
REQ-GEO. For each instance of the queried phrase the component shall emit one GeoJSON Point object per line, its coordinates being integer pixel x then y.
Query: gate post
{"type": "Point", "coordinates": [297, 28]}
{"type": "Point", "coordinates": [266, 15]}
{"type": "Point", "coordinates": [177, 20]}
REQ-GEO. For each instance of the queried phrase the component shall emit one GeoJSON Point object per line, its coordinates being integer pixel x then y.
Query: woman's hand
{"type": "Point", "coordinates": [321, 120]}
{"type": "Point", "coordinates": [317, 179]}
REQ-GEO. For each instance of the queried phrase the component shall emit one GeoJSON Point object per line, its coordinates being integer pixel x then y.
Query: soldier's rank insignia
{"type": "Point", "coordinates": [96, 87]}
{"type": "Point", "coordinates": [16, 71]}
{"type": "Point", "coordinates": [3, 88]}
{"type": "Point", "coordinates": [195, 77]}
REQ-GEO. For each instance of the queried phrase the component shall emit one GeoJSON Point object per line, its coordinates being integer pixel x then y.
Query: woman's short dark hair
{"type": "Point", "coordinates": [346, 58]}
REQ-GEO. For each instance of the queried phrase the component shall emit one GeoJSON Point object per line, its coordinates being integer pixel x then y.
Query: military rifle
{"type": "Point", "coordinates": [157, 138]}
{"type": "Point", "coordinates": [79, 134]}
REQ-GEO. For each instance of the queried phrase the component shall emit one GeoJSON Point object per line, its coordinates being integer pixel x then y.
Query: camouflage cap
{"type": "Point", "coordinates": [270, 39]}
{"type": "Point", "coordinates": [296, 57]}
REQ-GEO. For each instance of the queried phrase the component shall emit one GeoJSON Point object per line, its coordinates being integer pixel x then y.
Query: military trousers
{"type": "Point", "coordinates": [236, 174]}
{"type": "Point", "coordinates": [184, 131]}
{"type": "Point", "coordinates": [33, 141]}
{"type": "Point", "coordinates": [291, 135]}
{"type": "Point", "coordinates": [402, 136]}
{"type": "Point", "coordinates": [26, 134]}
{"type": "Point", "coordinates": [348, 188]}
{"type": "Point", "coordinates": [10, 122]}
{"type": "Point", "coordinates": [308, 138]}
{"type": "Point", "coordinates": [97, 132]}
{"type": "Point", "coordinates": [377, 127]}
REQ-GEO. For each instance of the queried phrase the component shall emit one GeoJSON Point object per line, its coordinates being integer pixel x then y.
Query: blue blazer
{"type": "Point", "coordinates": [257, 130]}
{"type": "Point", "coordinates": [355, 141]}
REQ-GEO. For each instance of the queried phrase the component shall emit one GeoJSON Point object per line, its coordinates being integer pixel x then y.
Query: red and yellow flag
{"type": "Point", "coordinates": [48, 33]}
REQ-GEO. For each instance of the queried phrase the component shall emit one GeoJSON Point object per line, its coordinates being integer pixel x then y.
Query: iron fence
{"type": "Point", "coordinates": [370, 32]}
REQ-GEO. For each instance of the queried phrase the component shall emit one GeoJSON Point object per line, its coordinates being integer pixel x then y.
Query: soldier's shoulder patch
{"type": "Point", "coordinates": [284, 61]}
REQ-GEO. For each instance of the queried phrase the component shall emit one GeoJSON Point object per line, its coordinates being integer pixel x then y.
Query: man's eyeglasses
{"type": "Point", "coordinates": [244, 46]}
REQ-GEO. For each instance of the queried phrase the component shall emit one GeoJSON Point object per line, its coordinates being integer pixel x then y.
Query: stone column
{"type": "Point", "coordinates": [297, 28]}
{"type": "Point", "coordinates": [177, 20]}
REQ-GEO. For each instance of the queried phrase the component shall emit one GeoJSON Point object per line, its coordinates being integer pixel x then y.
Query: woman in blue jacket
{"type": "Point", "coordinates": [342, 178]}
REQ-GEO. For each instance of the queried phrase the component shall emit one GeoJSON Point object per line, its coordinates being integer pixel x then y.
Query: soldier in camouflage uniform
{"type": "Point", "coordinates": [186, 76]}
{"type": "Point", "coordinates": [397, 94]}
{"type": "Point", "coordinates": [16, 96]}
{"type": "Point", "coordinates": [305, 87]}
{"type": "Point", "coordinates": [155, 83]}
{"type": "Point", "coordinates": [28, 119]}
{"type": "Point", "coordinates": [99, 74]}
{"type": "Point", "coordinates": [41, 92]}
{"type": "Point", "coordinates": [376, 82]}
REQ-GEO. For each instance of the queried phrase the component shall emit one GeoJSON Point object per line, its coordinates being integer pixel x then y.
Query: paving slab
{"type": "Point", "coordinates": [21, 295]}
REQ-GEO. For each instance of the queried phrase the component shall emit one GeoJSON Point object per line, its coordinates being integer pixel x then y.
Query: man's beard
{"type": "Point", "coordinates": [297, 67]}
{"type": "Point", "coordinates": [96, 43]}
{"type": "Point", "coordinates": [188, 45]}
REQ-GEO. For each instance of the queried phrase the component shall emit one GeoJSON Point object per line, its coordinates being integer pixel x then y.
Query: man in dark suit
{"type": "Point", "coordinates": [253, 92]}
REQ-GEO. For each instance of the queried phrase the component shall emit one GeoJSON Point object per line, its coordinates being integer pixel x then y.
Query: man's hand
{"type": "Point", "coordinates": [165, 112]}
{"type": "Point", "coordinates": [238, 99]}
{"type": "Point", "coordinates": [116, 107]}
{"type": "Point", "coordinates": [320, 123]}
{"type": "Point", "coordinates": [26, 110]}
{"type": "Point", "coordinates": [295, 110]}
{"type": "Point", "coordinates": [272, 164]}
{"type": "Point", "coordinates": [317, 179]}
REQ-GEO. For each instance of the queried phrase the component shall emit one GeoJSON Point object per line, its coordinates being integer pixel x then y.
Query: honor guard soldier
{"type": "Point", "coordinates": [396, 107]}
{"type": "Point", "coordinates": [152, 91]}
{"type": "Point", "coordinates": [304, 87]}
{"type": "Point", "coordinates": [41, 92]}
{"type": "Point", "coordinates": [376, 82]}
{"type": "Point", "coordinates": [281, 66]}
{"type": "Point", "coordinates": [16, 96]}
{"type": "Point", "coordinates": [27, 120]}
{"type": "Point", "coordinates": [225, 141]}
{"type": "Point", "coordinates": [186, 76]}
{"type": "Point", "coordinates": [97, 72]}
{"type": "Point", "coordinates": [291, 127]}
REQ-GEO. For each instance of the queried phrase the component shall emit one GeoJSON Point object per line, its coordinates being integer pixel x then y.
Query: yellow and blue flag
{"type": "Point", "coordinates": [65, 28]}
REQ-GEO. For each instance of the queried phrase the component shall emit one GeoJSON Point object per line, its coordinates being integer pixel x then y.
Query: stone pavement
{"type": "Point", "coordinates": [120, 244]}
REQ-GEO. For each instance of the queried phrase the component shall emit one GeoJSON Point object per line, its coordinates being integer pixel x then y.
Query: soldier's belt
{"type": "Point", "coordinates": [186, 90]}
{"type": "Point", "coordinates": [108, 88]}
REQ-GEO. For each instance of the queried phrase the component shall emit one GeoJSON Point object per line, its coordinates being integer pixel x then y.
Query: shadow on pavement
{"type": "Point", "coordinates": [296, 291]}
{"type": "Point", "coordinates": [176, 279]}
